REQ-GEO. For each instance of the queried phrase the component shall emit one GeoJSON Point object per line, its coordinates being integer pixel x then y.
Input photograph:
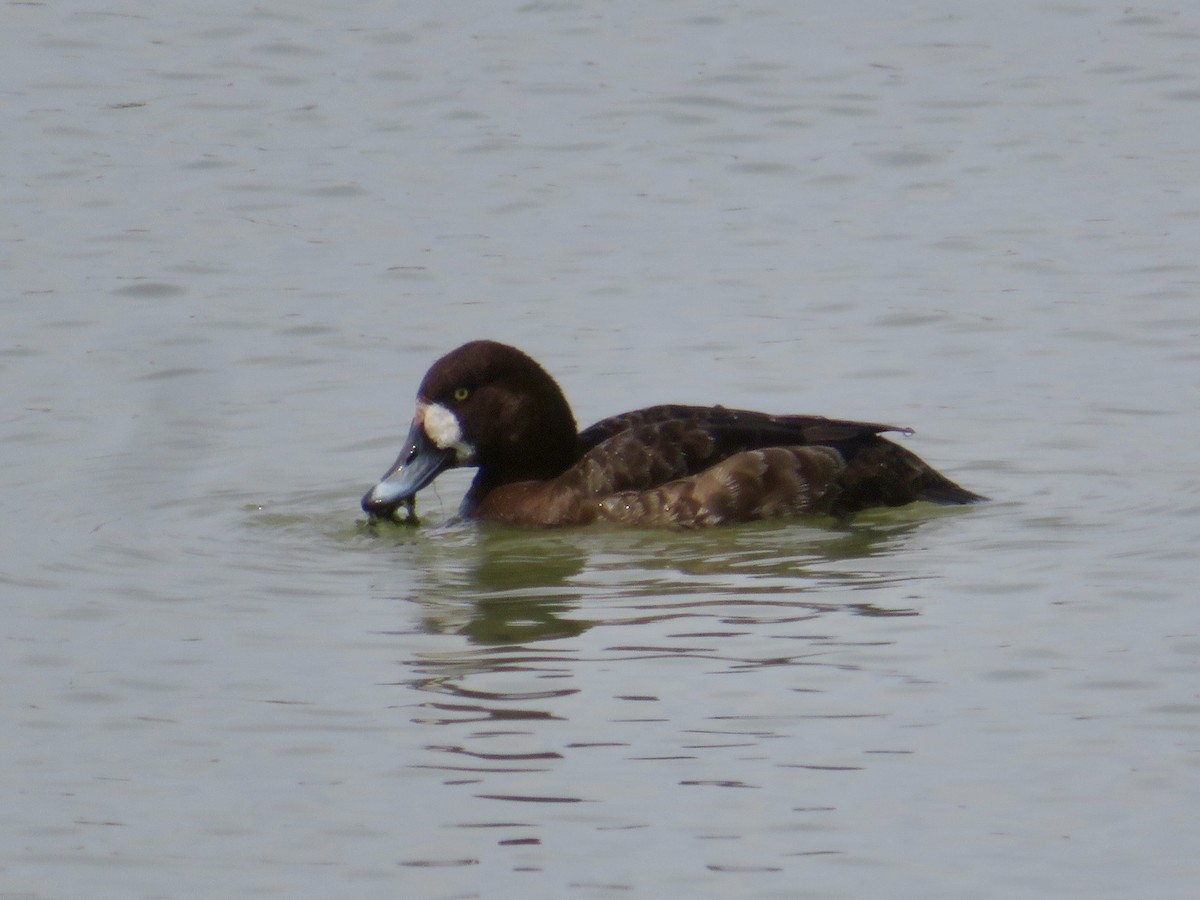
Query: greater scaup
{"type": "Point", "coordinates": [493, 407]}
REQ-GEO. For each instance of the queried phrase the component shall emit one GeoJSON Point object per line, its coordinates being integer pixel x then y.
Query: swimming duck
{"type": "Point", "coordinates": [490, 406]}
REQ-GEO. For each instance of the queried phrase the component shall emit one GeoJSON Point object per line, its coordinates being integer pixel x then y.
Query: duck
{"type": "Point", "coordinates": [491, 406]}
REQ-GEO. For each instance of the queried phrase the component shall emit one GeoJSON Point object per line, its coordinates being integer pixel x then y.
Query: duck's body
{"type": "Point", "coordinates": [489, 405]}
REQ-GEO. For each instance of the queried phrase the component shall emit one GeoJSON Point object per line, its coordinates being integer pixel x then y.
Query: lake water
{"type": "Point", "coordinates": [235, 235]}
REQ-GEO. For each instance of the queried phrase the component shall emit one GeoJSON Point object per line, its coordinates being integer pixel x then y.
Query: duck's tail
{"type": "Point", "coordinates": [882, 473]}
{"type": "Point", "coordinates": [935, 487]}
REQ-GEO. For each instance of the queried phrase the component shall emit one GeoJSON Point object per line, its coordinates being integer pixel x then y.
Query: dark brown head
{"type": "Point", "coordinates": [487, 405]}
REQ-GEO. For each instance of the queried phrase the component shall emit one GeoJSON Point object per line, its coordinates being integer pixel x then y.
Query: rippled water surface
{"type": "Point", "coordinates": [235, 236]}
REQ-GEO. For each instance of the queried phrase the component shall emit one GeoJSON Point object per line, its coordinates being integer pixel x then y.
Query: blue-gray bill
{"type": "Point", "coordinates": [418, 464]}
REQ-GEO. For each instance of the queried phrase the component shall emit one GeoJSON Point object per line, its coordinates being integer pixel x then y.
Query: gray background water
{"type": "Point", "coordinates": [235, 235]}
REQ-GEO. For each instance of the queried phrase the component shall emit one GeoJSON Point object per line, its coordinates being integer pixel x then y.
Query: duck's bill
{"type": "Point", "coordinates": [418, 464]}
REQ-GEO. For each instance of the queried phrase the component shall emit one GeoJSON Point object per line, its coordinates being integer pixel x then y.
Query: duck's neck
{"type": "Point", "coordinates": [553, 454]}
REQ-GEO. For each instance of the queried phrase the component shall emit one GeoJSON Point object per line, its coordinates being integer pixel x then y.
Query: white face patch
{"type": "Point", "coordinates": [445, 431]}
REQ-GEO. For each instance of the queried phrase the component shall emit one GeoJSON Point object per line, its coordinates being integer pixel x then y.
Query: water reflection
{"type": "Point", "coordinates": [542, 645]}
{"type": "Point", "coordinates": [545, 669]}
{"type": "Point", "coordinates": [501, 587]}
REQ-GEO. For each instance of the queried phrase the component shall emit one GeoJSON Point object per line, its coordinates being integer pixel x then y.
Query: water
{"type": "Point", "coordinates": [234, 239]}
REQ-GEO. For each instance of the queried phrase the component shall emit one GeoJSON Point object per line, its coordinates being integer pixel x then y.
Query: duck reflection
{"type": "Point", "coordinates": [495, 587]}
{"type": "Point", "coordinates": [500, 587]}
{"type": "Point", "coordinates": [506, 616]}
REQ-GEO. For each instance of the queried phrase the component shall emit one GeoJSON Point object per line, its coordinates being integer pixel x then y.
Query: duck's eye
{"type": "Point", "coordinates": [461, 394]}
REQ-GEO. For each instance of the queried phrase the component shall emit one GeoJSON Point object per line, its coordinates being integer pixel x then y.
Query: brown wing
{"type": "Point", "coordinates": [747, 428]}
{"type": "Point", "coordinates": [877, 471]}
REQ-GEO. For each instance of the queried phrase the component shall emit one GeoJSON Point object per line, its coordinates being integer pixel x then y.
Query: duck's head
{"type": "Point", "coordinates": [487, 405]}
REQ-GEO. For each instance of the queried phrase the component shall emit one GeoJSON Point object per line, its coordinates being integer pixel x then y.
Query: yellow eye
{"type": "Point", "coordinates": [461, 394]}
